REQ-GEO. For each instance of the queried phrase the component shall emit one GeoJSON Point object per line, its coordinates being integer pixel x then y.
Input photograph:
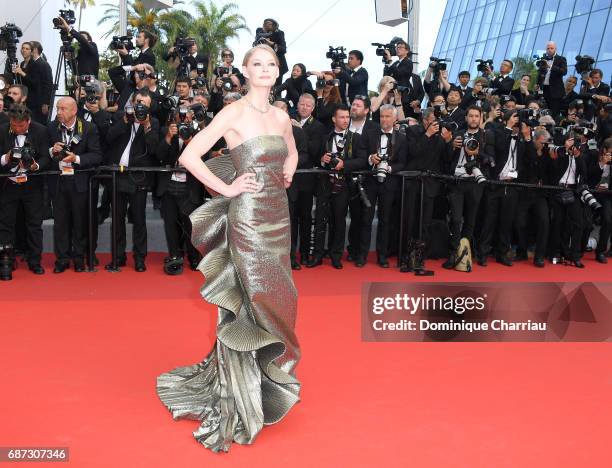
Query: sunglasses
{"type": "Point", "coordinates": [227, 55]}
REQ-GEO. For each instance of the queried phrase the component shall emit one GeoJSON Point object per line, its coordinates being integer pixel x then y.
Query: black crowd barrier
{"type": "Point", "coordinates": [110, 173]}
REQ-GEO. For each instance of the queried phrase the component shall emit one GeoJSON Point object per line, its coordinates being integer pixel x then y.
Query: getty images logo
{"type": "Point", "coordinates": [425, 303]}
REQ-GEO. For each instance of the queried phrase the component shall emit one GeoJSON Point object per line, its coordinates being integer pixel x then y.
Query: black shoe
{"type": "Point", "coordinates": [337, 263]}
{"type": "Point", "coordinates": [193, 264]}
{"type": "Point", "coordinates": [482, 260]}
{"type": "Point", "coordinates": [360, 262]}
{"type": "Point", "coordinates": [37, 269]}
{"type": "Point", "coordinates": [60, 267]}
{"type": "Point", "coordinates": [504, 260]}
{"type": "Point", "coordinates": [601, 258]}
{"type": "Point", "coordinates": [539, 262]}
{"type": "Point", "coordinates": [383, 262]}
{"type": "Point", "coordinates": [121, 262]}
{"type": "Point", "coordinates": [295, 265]}
{"type": "Point", "coordinates": [139, 265]}
{"type": "Point", "coordinates": [351, 258]}
{"type": "Point", "coordinates": [405, 266]}
{"type": "Point", "coordinates": [79, 266]}
{"type": "Point", "coordinates": [577, 263]}
{"type": "Point", "coordinates": [451, 262]}
{"type": "Point", "coordinates": [521, 256]}
{"type": "Point", "coordinates": [304, 259]}
{"type": "Point", "coordinates": [315, 261]}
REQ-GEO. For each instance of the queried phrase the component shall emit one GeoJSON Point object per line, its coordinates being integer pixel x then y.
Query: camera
{"type": "Point", "coordinates": [471, 167]}
{"type": "Point", "coordinates": [75, 140]}
{"type": "Point", "coordinates": [199, 112]}
{"type": "Point", "coordinates": [584, 63]}
{"type": "Point", "coordinates": [337, 55]}
{"type": "Point", "coordinates": [484, 64]}
{"type": "Point", "coordinates": [67, 15]}
{"type": "Point", "coordinates": [90, 86]}
{"type": "Point", "coordinates": [183, 44]}
{"type": "Point", "coordinates": [169, 103]}
{"type": "Point", "coordinates": [23, 154]}
{"type": "Point", "coordinates": [549, 146]}
{"type": "Point", "coordinates": [382, 168]}
{"type": "Point", "coordinates": [588, 199]}
{"type": "Point", "coordinates": [141, 111]}
{"type": "Point", "coordinates": [438, 64]}
{"type": "Point", "coordinates": [400, 88]}
{"type": "Point", "coordinates": [448, 125]}
{"type": "Point", "coordinates": [529, 117]}
{"type": "Point", "coordinates": [584, 128]}
{"type": "Point", "coordinates": [471, 143]}
{"type": "Point", "coordinates": [261, 36]}
{"type": "Point", "coordinates": [9, 34]}
{"type": "Point", "coordinates": [227, 81]}
{"type": "Point", "coordinates": [322, 82]}
{"type": "Point", "coordinates": [121, 42]}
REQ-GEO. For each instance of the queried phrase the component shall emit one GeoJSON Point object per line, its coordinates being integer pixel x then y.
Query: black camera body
{"type": "Point", "coordinates": [227, 81]}
{"type": "Point", "coordinates": [9, 37]}
{"type": "Point", "coordinates": [484, 64]}
{"type": "Point", "coordinates": [121, 42]}
{"type": "Point", "coordinates": [261, 36]}
{"type": "Point", "coordinates": [438, 64]}
{"type": "Point", "coordinates": [182, 45]}
{"type": "Point", "coordinates": [141, 111]}
{"type": "Point", "coordinates": [199, 112]}
{"type": "Point", "coordinates": [337, 55]}
{"type": "Point", "coordinates": [66, 15]}
{"type": "Point", "coordinates": [530, 117]}
{"type": "Point", "coordinates": [391, 47]}
{"type": "Point", "coordinates": [74, 141]}
{"type": "Point", "coordinates": [584, 63]}
{"type": "Point", "coordinates": [23, 154]}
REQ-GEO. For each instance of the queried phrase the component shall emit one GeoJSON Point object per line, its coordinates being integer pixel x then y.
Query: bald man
{"type": "Point", "coordinates": [550, 78]}
{"type": "Point", "coordinates": [76, 147]}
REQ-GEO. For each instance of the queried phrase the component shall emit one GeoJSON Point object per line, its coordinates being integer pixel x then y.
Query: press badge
{"type": "Point", "coordinates": [20, 179]}
{"type": "Point", "coordinates": [66, 168]}
{"type": "Point", "coordinates": [179, 177]}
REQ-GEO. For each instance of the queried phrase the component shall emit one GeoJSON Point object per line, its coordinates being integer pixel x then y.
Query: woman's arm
{"type": "Point", "coordinates": [291, 162]}
{"type": "Point", "coordinates": [202, 142]}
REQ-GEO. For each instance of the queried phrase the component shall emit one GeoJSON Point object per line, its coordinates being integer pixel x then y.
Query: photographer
{"type": "Point", "coordinates": [512, 152]}
{"type": "Point", "coordinates": [449, 109]}
{"type": "Point", "coordinates": [353, 77]}
{"type": "Point", "coordinates": [75, 146]}
{"type": "Point", "coordinates": [341, 152]}
{"type": "Point", "coordinates": [428, 150]}
{"type": "Point", "coordinates": [387, 152]}
{"type": "Point", "coordinates": [225, 79]}
{"type": "Point", "coordinates": [186, 51]}
{"type": "Point", "coordinates": [501, 84]}
{"type": "Point", "coordinates": [296, 85]}
{"type": "Point", "coordinates": [569, 95]}
{"type": "Point", "coordinates": [532, 208]}
{"type": "Point", "coordinates": [88, 59]}
{"type": "Point", "coordinates": [551, 70]}
{"type": "Point", "coordinates": [470, 160]}
{"type": "Point", "coordinates": [596, 90]}
{"type": "Point", "coordinates": [180, 192]}
{"type": "Point", "coordinates": [304, 184]}
{"type": "Point", "coordinates": [521, 94]}
{"type": "Point", "coordinates": [145, 41]}
{"type": "Point", "coordinates": [566, 167]}
{"type": "Point", "coordinates": [464, 80]}
{"type": "Point", "coordinates": [493, 114]}
{"type": "Point", "coordinates": [270, 35]}
{"type": "Point", "coordinates": [436, 81]}
{"type": "Point", "coordinates": [600, 180]}
{"type": "Point", "coordinates": [133, 141]}
{"type": "Point", "coordinates": [387, 94]}
{"type": "Point", "coordinates": [128, 86]}
{"type": "Point", "coordinates": [39, 80]}
{"type": "Point", "coordinates": [477, 95]}
{"type": "Point", "coordinates": [328, 98]}
{"type": "Point", "coordinates": [24, 149]}
{"type": "Point", "coordinates": [401, 70]}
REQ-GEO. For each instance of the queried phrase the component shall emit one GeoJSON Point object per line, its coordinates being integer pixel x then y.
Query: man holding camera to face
{"type": "Point", "coordinates": [353, 77]}
{"type": "Point", "coordinates": [408, 83]}
{"type": "Point", "coordinates": [513, 150]}
{"type": "Point", "coordinates": [600, 179]}
{"type": "Point", "coordinates": [133, 141]}
{"type": "Point", "coordinates": [24, 149]}
{"type": "Point", "coordinates": [76, 146]}
{"type": "Point", "coordinates": [88, 58]}
{"type": "Point", "coordinates": [184, 56]}
{"type": "Point", "coordinates": [145, 41]}
{"type": "Point", "coordinates": [341, 152]}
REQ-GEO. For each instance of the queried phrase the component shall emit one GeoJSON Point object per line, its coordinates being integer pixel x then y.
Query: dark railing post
{"type": "Point", "coordinates": [401, 233]}
{"type": "Point", "coordinates": [90, 226]}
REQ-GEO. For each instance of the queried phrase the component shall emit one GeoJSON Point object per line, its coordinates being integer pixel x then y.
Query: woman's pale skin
{"type": "Point", "coordinates": [237, 123]}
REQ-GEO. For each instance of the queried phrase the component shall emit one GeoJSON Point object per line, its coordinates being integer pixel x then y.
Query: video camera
{"type": "Point", "coordinates": [337, 55]}
{"type": "Point", "coordinates": [182, 45]}
{"type": "Point", "coordinates": [322, 82]}
{"type": "Point", "coordinates": [91, 87]}
{"type": "Point", "coordinates": [584, 63]}
{"type": "Point", "coordinates": [261, 36]}
{"type": "Point", "coordinates": [9, 37]}
{"type": "Point", "coordinates": [484, 64]}
{"type": "Point", "coordinates": [121, 42]}
{"type": "Point", "coordinates": [66, 15]}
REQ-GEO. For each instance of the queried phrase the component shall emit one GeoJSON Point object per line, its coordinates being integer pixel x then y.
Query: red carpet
{"type": "Point", "coordinates": [80, 354]}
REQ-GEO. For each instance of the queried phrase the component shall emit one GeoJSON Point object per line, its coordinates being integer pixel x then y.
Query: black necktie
{"type": "Point", "coordinates": [340, 134]}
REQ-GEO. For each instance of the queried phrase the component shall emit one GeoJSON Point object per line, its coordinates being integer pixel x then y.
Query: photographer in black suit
{"type": "Point", "coordinates": [353, 77]}
{"type": "Point", "coordinates": [87, 59]}
{"type": "Point", "coordinates": [600, 179]}
{"type": "Point", "coordinates": [401, 70]}
{"type": "Point", "coordinates": [304, 184]}
{"type": "Point", "coordinates": [387, 152]}
{"type": "Point", "coordinates": [270, 35]}
{"type": "Point", "coordinates": [24, 149]}
{"type": "Point", "coordinates": [132, 141]}
{"type": "Point", "coordinates": [39, 80]}
{"type": "Point", "coordinates": [342, 153]}
{"type": "Point", "coordinates": [180, 193]}
{"type": "Point", "coordinates": [502, 83]}
{"type": "Point", "coordinates": [192, 59]}
{"type": "Point", "coordinates": [145, 41]}
{"type": "Point", "coordinates": [75, 146]}
{"type": "Point", "coordinates": [550, 78]}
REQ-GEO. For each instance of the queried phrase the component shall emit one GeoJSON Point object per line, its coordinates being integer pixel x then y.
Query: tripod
{"type": "Point", "coordinates": [66, 61]}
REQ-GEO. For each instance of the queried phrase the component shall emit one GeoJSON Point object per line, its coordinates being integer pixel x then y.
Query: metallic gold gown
{"type": "Point", "coordinates": [248, 379]}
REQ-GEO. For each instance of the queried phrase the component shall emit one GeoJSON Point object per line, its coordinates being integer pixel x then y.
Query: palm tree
{"type": "Point", "coordinates": [81, 5]}
{"type": "Point", "coordinates": [214, 26]}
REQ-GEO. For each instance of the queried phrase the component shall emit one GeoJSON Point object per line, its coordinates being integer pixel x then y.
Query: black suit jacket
{"type": "Point", "coordinates": [301, 144]}
{"type": "Point", "coordinates": [144, 57]}
{"type": "Point", "coordinates": [557, 72]}
{"type": "Point", "coordinates": [38, 138]}
{"type": "Point", "coordinates": [278, 37]}
{"type": "Point", "coordinates": [370, 142]}
{"type": "Point", "coordinates": [486, 152]}
{"type": "Point", "coordinates": [501, 86]}
{"type": "Point", "coordinates": [168, 155]}
{"type": "Point", "coordinates": [88, 150]}
{"type": "Point", "coordinates": [525, 153]}
{"type": "Point", "coordinates": [416, 92]}
{"type": "Point", "coordinates": [427, 154]}
{"type": "Point", "coordinates": [556, 168]}
{"type": "Point", "coordinates": [357, 83]}
{"type": "Point", "coordinates": [88, 59]}
{"type": "Point", "coordinates": [401, 71]}
{"type": "Point", "coordinates": [142, 152]}
{"type": "Point", "coordinates": [354, 155]}
{"type": "Point", "coordinates": [39, 80]}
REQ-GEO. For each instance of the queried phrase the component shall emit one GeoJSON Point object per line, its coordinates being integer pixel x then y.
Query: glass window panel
{"type": "Point", "coordinates": [498, 16]}
{"type": "Point", "coordinates": [456, 6]}
{"type": "Point", "coordinates": [597, 4]}
{"type": "Point", "coordinates": [467, 58]}
{"type": "Point", "coordinates": [462, 7]}
{"type": "Point", "coordinates": [606, 68]}
{"type": "Point", "coordinates": [508, 21]}
{"type": "Point", "coordinates": [549, 12]}
{"type": "Point", "coordinates": [535, 13]}
{"type": "Point", "coordinates": [500, 49]}
{"type": "Point", "coordinates": [527, 44]}
{"type": "Point", "coordinates": [544, 34]}
{"type": "Point", "coordinates": [565, 9]}
{"type": "Point", "coordinates": [559, 33]}
{"type": "Point", "coordinates": [593, 37]}
{"type": "Point", "coordinates": [513, 46]}
{"type": "Point", "coordinates": [582, 6]}
{"type": "Point", "coordinates": [454, 65]}
{"type": "Point", "coordinates": [574, 38]}
{"type": "Point", "coordinates": [441, 32]}
{"type": "Point", "coordinates": [477, 19]}
{"type": "Point", "coordinates": [521, 15]}
{"type": "Point", "coordinates": [465, 30]}
{"type": "Point", "coordinates": [605, 53]}
{"type": "Point", "coordinates": [490, 48]}
{"type": "Point", "coordinates": [486, 24]}
{"type": "Point", "coordinates": [453, 43]}
{"type": "Point", "coordinates": [471, 5]}
{"type": "Point", "coordinates": [447, 10]}
{"type": "Point", "coordinates": [449, 33]}
{"type": "Point", "coordinates": [481, 3]}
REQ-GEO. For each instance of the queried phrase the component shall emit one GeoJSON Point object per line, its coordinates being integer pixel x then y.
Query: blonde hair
{"type": "Point", "coordinates": [385, 79]}
{"type": "Point", "coordinates": [265, 47]}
